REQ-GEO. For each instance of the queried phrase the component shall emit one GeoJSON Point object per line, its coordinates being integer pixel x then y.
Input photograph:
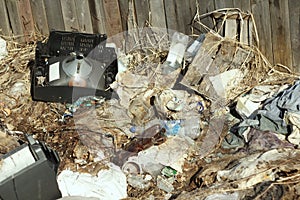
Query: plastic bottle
{"type": "Point", "coordinates": [194, 48]}
{"type": "Point", "coordinates": [176, 52]}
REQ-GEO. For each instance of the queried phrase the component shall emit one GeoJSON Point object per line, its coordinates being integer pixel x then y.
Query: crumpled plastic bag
{"type": "Point", "coordinates": [279, 114]}
{"type": "Point", "coordinates": [108, 184]}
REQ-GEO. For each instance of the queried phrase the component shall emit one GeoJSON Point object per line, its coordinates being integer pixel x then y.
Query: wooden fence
{"type": "Point", "coordinates": [277, 21]}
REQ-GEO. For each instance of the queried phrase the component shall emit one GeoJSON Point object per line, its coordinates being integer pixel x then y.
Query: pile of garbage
{"type": "Point", "coordinates": [207, 115]}
{"type": "Point", "coordinates": [208, 118]}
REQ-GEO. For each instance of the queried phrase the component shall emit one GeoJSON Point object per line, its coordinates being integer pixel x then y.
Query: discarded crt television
{"type": "Point", "coordinates": [71, 65]}
{"type": "Point", "coordinates": [29, 173]}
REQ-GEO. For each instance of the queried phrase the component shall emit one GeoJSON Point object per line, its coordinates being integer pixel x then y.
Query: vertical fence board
{"type": "Point", "coordinates": [245, 5]}
{"type": "Point", "coordinates": [142, 12]}
{"type": "Point", "coordinates": [188, 18]}
{"type": "Point", "coordinates": [158, 18]}
{"type": "Point", "coordinates": [193, 7]}
{"type": "Point", "coordinates": [27, 21]}
{"type": "Point", "coordinates": [171, 18]}
{"type": "Point", "coordinates": [261, 12]}
{"type": "Point", "coordinates": [193, 10]}
{"type": "Point", "coordinates": [220, 4]}
{"type": "Point", "coordinates": [69, 15]}
{"type": "Point", "coordinates": [131, 19]}
{"type": "Point", "coordinates": [97, 16]}
{"type": "Point", "coordinates": [180, 12]}
{"type": "Point", "coordinates": [113, 21]}
{"type": "Point", "coordinates": [206, 6]}
{"type": "Point", "coordinates": [15, 18]}
{"type": "Point", "coordinates": [280, 32]}
{"type": "Point", "coordinates": [39, 15]}
{"type": "Point", "coordinates": [237, 4]}
{"type": "Point", "coordinates": [4, 22]}
{"type": "Point", "coordinates": [55, 19]}
{"type": "Point", "coordinates": [184, 16]}
{"type": "Point", "coordinates": [113, 17]}
{"type": "Point", "coordinates": [294, 10]}
{"type": "Point", "coordinates": [83, 16]}
{"type": "Point", "coordinates": [124, 9]}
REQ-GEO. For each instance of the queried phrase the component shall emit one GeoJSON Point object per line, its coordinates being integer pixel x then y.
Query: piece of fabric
{"type": "Point", "coordinates": [272, 116]}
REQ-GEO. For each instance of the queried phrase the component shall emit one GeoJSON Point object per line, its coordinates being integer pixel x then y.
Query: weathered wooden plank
{"type": "Point", "coordinates": [84, 16]}
{"type": "Point", "coordinates": [231, 28]}
{"type": "Point", "coordinates": [197, 76]}
{"type": "Point", "coordinates": [252, 38]}
{"type": "Point", "coordinates": [97, 16]}
{"type": "Point", "coordinates": [245, 5]}
{"type": "Point", "coordinates": [241, 56]}
{"type": "Point", "coordinates": [142, 12]}
{"type": "Point", "coordinates": [261, 12]}
{"type": "Point", "coordinates": [184, 16]}
{"type": "Point", "coordinates": [188, 18]}
{"type": "Point", "coordinates": [171, 17]}
{"type": "Point", "coordinates": [294, 10]}
{"type": "Point", "coordinates": [21, 19]}
{"type": "Point", "coordinates": [220, 4]}
{"type": "Point", "coordinates": [223, 59]}
{"type": "Point", "coordinates": [55, 19]}
{"type": "Point", "coordinates": [113, 21]}
{"type": "Point", "coordinates": [124, 9]}
{"type": "Point", "coordinates": [27, 19]}
{"type": "Point", "coordinates": [206, 6]}
{"type": "Point", "coordinates": [281, 38]}
{"type": "Point", "coordinates": [244, 31]}
{"type": "Point", "coordinates": [238, 4]}
{"type": "Point", "coordinates": [158, 18]}
{"type": "Point", "coordinates": [69, 15]}
{"type": "Point", "coordinates": [15, 19]}
{"type": "Point", "coordinates": [113, 17]}
{"type": "Point", "coordinates": [39, 16]}
{"type": "Point", "coordinates": [193, 7]}
{"type": "Point", "coordinates": [4, 22]}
